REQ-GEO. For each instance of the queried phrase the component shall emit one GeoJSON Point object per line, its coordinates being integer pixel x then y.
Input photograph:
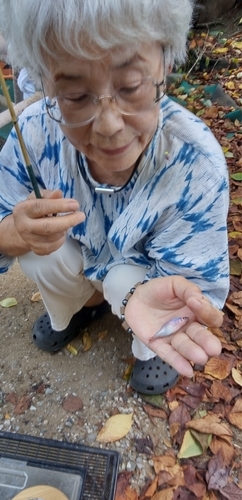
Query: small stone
{"type": "Point", "coordinates": [72, 403]}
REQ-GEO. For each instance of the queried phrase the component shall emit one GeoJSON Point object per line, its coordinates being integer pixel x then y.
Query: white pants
{"type": "Point", "coordinates": [65, 290]}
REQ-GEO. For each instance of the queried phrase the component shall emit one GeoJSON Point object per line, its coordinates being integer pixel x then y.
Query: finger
{"type": "Point", "coordinates": [46, 193]}
{"type": "Point", "coordinates": [168, 354]}
{"type": "Point", "coordinates": [49, 225]}
{"type": "Point", "coordinates": [38, 208]}
{"type": "Point", "coordinates": [204, 338]}
{"type": "Point", "coordinates": [48, 247]}
{"type": "Point", "coordinates": [205, 312]}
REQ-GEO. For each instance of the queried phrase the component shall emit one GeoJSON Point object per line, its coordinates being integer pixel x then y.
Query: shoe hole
{"type": "Point", "coordinates": [150, 388]}
{"type": "Point", "coordinates": [164, 373]}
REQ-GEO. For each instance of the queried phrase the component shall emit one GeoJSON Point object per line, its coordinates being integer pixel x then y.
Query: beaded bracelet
{"type": "Point", "coordinates": [125, 302]}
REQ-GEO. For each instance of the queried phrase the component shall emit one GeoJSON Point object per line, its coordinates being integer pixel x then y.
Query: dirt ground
{"type": "Point", "coordinates": [34, 383]}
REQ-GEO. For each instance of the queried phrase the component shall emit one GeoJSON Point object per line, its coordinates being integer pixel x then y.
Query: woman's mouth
{"type": "Point", "coordinates": [115, 151]}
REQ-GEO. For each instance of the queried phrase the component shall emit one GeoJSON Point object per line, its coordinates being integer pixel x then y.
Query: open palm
{"type": "Point", "coordinates": [161, 299]}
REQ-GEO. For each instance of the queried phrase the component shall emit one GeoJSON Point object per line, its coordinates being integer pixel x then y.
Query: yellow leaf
{"type": "Point", "coordinates": [235, 234]}
{"type": "Point", "coordinates": [36, 297]}
{"type": "Point", "coordinates": [115, 428]}
{"type": "Point", "coordinates": [221, 50]}
{"type": "Point", "coordinates": [237, 376]}
{"type": "Point", "coordinates": [9, 302]}
{"type": "Point", "coordinates": [237, 45]}
{"type": "Point", "coordinates": [190, 447]}
{"type": "Point", "coordinates": [102, 335]}
{"type": "Point", "coordinates": [72, 349]}
{"type": "Point", "coordinates": [230, 85]}
{"type": "Point", "coordinates": [87, 342]}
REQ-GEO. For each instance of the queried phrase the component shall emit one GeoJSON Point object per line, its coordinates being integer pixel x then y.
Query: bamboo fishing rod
{"type": "Point", "coordinates": [28, 165]}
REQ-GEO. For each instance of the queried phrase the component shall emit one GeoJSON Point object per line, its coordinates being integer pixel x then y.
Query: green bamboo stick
{"type": "Point", "coordinates": [28, 165]}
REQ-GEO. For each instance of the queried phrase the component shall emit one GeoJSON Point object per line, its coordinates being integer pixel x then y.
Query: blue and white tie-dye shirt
{"type": "Point", "coordinates": [170, 217]}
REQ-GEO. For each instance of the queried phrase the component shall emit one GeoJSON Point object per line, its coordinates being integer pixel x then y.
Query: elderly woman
{"type": "Point", "coordinates": [138, 184]}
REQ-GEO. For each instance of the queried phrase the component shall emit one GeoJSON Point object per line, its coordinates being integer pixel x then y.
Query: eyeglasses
{"type": "Point", "coordinates": [79, 109]}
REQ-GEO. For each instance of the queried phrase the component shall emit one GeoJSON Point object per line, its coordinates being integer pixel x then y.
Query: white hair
{"type": "Point", "coordinates": [34, 28]}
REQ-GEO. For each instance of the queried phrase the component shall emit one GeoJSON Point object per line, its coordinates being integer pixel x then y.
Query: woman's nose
{"type": "Point", "coordinates": [108, 119]}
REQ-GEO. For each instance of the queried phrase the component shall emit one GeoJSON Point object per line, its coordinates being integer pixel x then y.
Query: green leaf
{"type": "Point", "coordinates": [236, 201]}
{"type": "Point", "coordinates": [9, 302]}
{"type": "Point", "coordinates": [156, 400]}
{"type": "Point", "coordinates": [236, 177]}
{"type": "Point", "coordinates": [203, 439]}
{"type": "Point", "coordinates": [190, 447]}
{"type": "Point", "coordinates": [235, 267]}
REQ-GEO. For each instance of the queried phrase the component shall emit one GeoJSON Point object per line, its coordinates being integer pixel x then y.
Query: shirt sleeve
{"type": "Point", "coordinates": [15, 185]}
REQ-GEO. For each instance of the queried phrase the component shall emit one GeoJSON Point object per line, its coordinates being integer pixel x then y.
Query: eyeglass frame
{"type": "Point", "coordinates": [98, 99]}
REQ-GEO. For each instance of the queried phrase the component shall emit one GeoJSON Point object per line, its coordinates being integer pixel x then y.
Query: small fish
{"type": "Point", "coordinates": [170, 327]}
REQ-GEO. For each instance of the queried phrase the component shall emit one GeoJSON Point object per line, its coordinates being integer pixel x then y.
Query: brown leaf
{"type": "Point", "coordinates": [154, 412]}
{"type": "Point", "coordinates": [217, 474]}
{"type": "Point", "coordinates": [72, 403]}
{"type": "Point", "coordinates": [210, 425]}
{"type": "Point", "coordinates": [218, 367]}
{"type": "Point", "coordinates": [11, 397]}
{"type": "Point", "coordinates": [220, 391]}
{"type": "Point", "coordinates": [164, 494]}
{"type": "Point", "coordinates": [192, 483]}
{"type": "Point", "coordinates": [218, 444]}
{"type": "Point", "coordinates": [149, 489]}
{"type": "Point", "coordinates": [236, 298]}
{"type": "Point", "coordinates": [123, 490]}
{"type": "Point", "coordinates": [144, 445]}
{"type": "Point", "coordinates": [163, 462]}
{"type": "Point", "coordinates": [87, 342]}
{"type": "Point", "coordinates": [237, 376]}
{"type": "Point", "coordinates": [22, 405]}
{"type": "Point", "coordinates": [235, 415]}
{"type": "Point", "coordinates": [231, 492]}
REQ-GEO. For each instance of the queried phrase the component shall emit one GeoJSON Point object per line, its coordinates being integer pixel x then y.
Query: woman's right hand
{"type": "Point", "coordinates": [35, 223]}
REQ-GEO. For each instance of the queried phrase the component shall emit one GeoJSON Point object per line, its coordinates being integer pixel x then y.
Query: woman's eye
{"type": "Point", "coordinates": [130, 89]}
{"type": "Point", "coordinates": [78, 98]}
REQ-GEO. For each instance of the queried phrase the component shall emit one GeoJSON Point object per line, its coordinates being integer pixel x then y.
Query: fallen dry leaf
{"type": "Point", "coordinates": [235, 415]}
{"type": "Point", "coordinates": [237, 376]}
{"type": "Point", "coordinates": [8, 302]}
{"type": "Point", "coordinates": [218, 444]}
{"type": "Point", "coordinates": [218, 367]}
{"type": "Point", "coordinates": [166, 494]}
{"type": "Point", "coordinates": [102, 335]}
{"type": "Point", "coordinates": [115, 428]}
{"type": "Point", "coordinates": [87, 342]}
{"type": "Point", "coordinates": [36, 297]}
{"type": "Point", "coordinates": [123, 489]}
{"type": "Point", "coordinates": [211, 424]}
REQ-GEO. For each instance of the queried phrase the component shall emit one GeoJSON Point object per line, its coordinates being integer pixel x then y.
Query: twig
{"type": "Point", "coordinates": [20, 137]}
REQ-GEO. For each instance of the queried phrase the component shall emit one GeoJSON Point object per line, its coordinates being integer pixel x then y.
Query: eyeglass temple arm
{"type": "Point", "coordinates": [158, 92]}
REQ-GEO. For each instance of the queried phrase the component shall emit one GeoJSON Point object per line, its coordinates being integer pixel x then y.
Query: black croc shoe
{"type": "Point", "coordinates": [51, 340]}
{"type": "Point", "coordinates": [153, 376]}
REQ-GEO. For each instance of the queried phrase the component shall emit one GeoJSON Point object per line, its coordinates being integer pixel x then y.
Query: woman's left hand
{"type": "Point", "coordinates": [162, 299]}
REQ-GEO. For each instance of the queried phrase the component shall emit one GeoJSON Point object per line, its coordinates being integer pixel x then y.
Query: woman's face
{"type": "Point", "coordinates": [112, 142]}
